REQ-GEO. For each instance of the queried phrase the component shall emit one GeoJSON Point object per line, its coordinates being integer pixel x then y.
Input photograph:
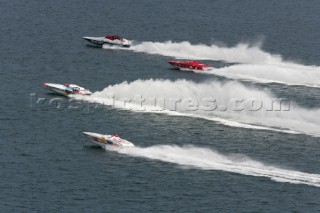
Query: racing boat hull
{"type": "Point", "coordinates": [100, 41]}
{"type": "Point", "coordinates": [66, 90]}
{"type": "Point", "coordinates": [190, 66]}
{"type": "Point", "coordinates": [107, 140]}
{"type": "Point", "coordinates": [93, 41]}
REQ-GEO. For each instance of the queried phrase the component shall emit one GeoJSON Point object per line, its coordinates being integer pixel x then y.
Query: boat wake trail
{"type": "Point", "coordinates": [208, 159]}
{"type": "Point", "coordinates": [283, 74]}
{"type": "Point", "coordinates": [256, 64]}
{"type": "Point", "coordinates": [241, 53]}
{"type": "Point", "coordinates": [231, 104]}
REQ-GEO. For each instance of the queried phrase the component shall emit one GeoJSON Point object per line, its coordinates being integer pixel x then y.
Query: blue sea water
{"type": "Point", "coordinates": [48, 165]}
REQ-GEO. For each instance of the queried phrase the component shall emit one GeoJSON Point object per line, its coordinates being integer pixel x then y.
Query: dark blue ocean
{"type": "Point", "coordinates": [183, 162]}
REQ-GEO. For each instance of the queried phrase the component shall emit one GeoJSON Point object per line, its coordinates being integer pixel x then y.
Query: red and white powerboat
{"type": "Point", "coordinates": [108, 140]}
{"type": "Point", "coordinates": [190, 66]}
{"type": "Point", "coordinates": [67, 89]}
{"type": "Point", "coordinates": [109, 39]}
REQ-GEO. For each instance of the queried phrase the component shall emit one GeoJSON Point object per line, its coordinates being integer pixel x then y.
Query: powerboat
{"type": "Point", "coordinates": [67, 89]}
{"type": "Point", "coordinates": [108, 140]}
{"type": "Point", "coordinates": [192, 66]}
{"type": "Point", "coordinates": [109, 39]}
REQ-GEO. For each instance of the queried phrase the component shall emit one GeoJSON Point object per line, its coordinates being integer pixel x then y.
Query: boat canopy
{"type": "Point", "coordinates": [113, 37]}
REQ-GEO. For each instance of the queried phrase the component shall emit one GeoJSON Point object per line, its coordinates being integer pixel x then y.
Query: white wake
{"type": "Point", "coordinates": [158, 96]}
{"type": "Point", "coordinates": [241, 53]}
{"type": "Point", "coordinates": [284, 74]}
{"type": "Point", "coordinates": [256, 64]}
{"type": "Point", "coordinates": [208, 159]}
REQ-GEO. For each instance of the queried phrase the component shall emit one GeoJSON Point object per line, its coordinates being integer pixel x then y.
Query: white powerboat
{"type": "Point", "coordinates": [67, 89]}
{"type": "Point", "coordinates": [109, 39]}
{"type": "Point", "coordinates": [108, 140]}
